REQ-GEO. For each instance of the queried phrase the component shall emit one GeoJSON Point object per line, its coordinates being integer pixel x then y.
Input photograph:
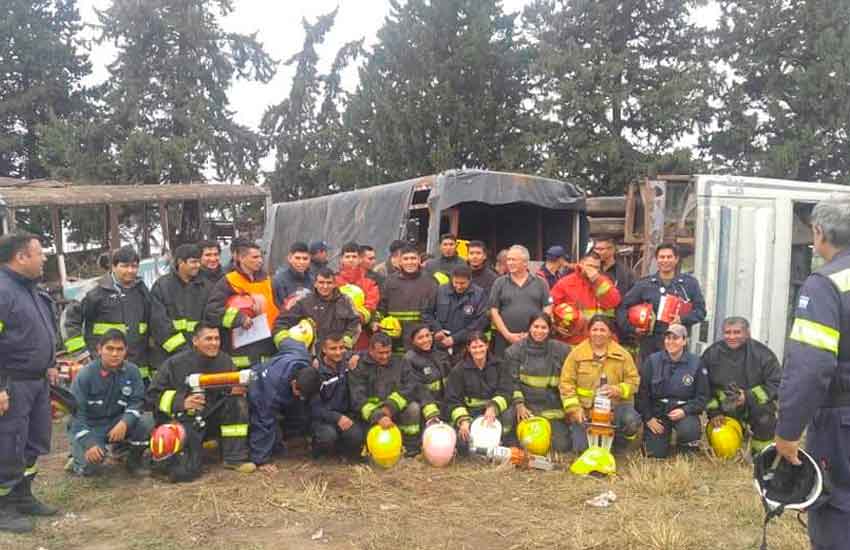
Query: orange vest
{"type": "Point", "coordinates": [241, 285]}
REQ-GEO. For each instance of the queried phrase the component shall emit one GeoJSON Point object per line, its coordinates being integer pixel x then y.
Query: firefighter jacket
{"type": "Point", "coordinates": [535, 374]}
{"type": "Point", "coordinates": [358, 277]}
{"type": "Point", "coordinates": [484, 277]}
{"type": "Point", "coordinates": [211, 276]}
{"type": "Point", "coordinates": [443, 265]}
{"type": "Point", "coordinates": [817, 354]}
{"type": "Point", "coordinates": [580, 377]}
{"type": "Point", "coordinates": [459, 314]}
{"type": "Point", "coordinates": [110, 305]}
{"type": "Point", "coordinates": [753, 368]}
{"type": "Point", "coordinates": [334, 314]}
{"type": "Point", "coordinates": [598, 297]}
{"type": "Point", "coordinates": [425, 375]}
{"type": "Point", "coordinates": [406, 297]}
{"type": "Point", "coordinates": [333, 400]}
{"type": "Point", "coordinates": [27, 328]}
{"type": "Point", "coordinates": [290, 286]}
{"type": "Point", "coordinates": [218, 313]}
{"type": "Point", "coordinates": [270, 393]}
{"type": "Point", "coordinates": [666, 384]}
{"type": "Point", "coordinates": [373, 386]}
{"type": "Point", "coordinates": [103, 395]}
{"type": "Point", "coordinates": [169, 388]}
{"type": "Point", "coordinates": [471, 390]}
{"type": "Point", "coordinates": [651, 289]}
{"type": "Point", "coordinates": [183, 304]}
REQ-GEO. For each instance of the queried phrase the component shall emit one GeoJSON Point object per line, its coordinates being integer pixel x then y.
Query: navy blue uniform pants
{"type": "Point", "coordinates": [828, 441]}
{"type": "Point", "coordinates": [24, 431]}
{"type": "Point", "coordinates": [688, 432]}
{"type": "Point", "coordinates": [329, 438]}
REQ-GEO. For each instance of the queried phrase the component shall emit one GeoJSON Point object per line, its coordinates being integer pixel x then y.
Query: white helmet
{"type": "Point", "coordinates": [784, 486]}
{"type": "Point", "coordinates": [484, 436]}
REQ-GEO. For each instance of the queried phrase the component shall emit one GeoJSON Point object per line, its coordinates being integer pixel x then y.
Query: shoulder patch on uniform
{"type": "Point", "coordinates": [705, 371]}
{"type": "Point", "coordinates": [803, 302]}
{"type": "Point", "coordinates": [688, 380]}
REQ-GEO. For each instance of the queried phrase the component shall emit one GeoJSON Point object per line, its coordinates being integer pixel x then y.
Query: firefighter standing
{"type": "Point", "coordinates": [459, 309]}
{"type": "Point", "coordinates": [182, 294]}
{"type": "Point", "coordinates": [744, 377]}
{"type": "Point", "coordinates": [448, 260]}
{"type": "Point", "coordinates": [214, 413]}
{"type": "Point", "coordinates": [211, 270]}
{"type": "Point", "coordinates": [27, 347]}
{"type": "Point", "coordinates": [590, 291]}
{"type": "Point", "coordinates": [815, 389]}
{"type": "Point", "coordinates": [120, 301]}
{"type": "Point", "coordinates": [295, 280]}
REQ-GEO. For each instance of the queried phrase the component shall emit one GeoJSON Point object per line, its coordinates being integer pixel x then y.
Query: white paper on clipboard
{"type": "Point", "coordinates": [258, 331]}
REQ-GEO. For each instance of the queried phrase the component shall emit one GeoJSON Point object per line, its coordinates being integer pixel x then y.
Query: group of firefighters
{"type": "Point", "coordinates": [235, 358]}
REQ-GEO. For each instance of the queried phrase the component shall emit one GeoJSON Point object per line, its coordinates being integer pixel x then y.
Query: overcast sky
{"type": "Point", "coordinates": [278, 24]}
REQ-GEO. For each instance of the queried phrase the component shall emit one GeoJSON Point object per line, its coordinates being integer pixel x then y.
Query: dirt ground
{"type": "Point", "coordinates": [683, 503]}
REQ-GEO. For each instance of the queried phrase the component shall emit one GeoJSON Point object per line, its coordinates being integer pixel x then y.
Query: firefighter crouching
{"type": "Point", "coordinates": [110, 398]}
{"type": "Point", "coordinates": [215, 413]}
{"type": "Point", "coordinates": [596, 360]}
{"type": "Point", "coordinates": [425, 372]}
{"type": "Point", "coordinates": [673, 392]}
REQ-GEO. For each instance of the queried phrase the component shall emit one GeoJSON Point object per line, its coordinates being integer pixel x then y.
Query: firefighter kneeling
{"type": "Point", "coordinates": [187, 415]}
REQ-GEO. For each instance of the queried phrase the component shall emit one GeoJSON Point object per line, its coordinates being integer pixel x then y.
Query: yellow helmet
{"type": "Point", "coordinates": [727, 439]}
{"type": "Point", "coordinates": [535, 435]}
{"type": "Point", "coordinates": [442, 278]}
{"type": "Point", "coordinates": [384, 446]}
{"type": "Point", "coordinates": [391, 326]}
{"type": "Point", "coordinates": [354, 293]}
{"type": "Point", "coordinates": [304, 332]}
{"type": "Point", "coordinates": [463, 248]}
{"type": "Point", "coordinates": [595, 459]}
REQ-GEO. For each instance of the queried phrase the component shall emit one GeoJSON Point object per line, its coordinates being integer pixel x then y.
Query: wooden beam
{"type": "Point", "coordinates": [59, 244]}
{"type": "Point", "coordinates": [163, 223]}
{"type": "Point", "coordinates": [114, 234]}
{"type": "Point", "coordinates": [146, 234]}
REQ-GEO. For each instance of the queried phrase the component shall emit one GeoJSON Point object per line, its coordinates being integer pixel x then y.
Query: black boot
{"type": "Point", "coordinates": [11, 521]}
{"type": "Point", "coordinates": [22, 499]}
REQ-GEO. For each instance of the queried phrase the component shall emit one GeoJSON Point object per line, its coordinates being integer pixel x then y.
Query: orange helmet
{"type": "Point", "coordinates": [642, 317]}
{"type": "Point", "coordinates": [567, 316]}
{"type": "Point", "coordinates": [167, 440]}
{"type": "Point", "coordinates": [244, 303]}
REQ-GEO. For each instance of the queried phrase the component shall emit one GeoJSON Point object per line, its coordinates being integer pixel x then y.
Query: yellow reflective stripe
{"type": "Point", "coordinates": [570, 402]}
{"type": "Point", "coordinates": [758, 445]}
{"type": "Point", "coordinates": [474, 402]}
{"type": "Point", "coordinates": [406, 315]}
{"type": "Point", "coordinates": [518, 396]}
{"type": "Point", "coordinates": [501, 402]}
{"type": "Point", "coordinates": [75, 344]}
{"type": "Point", "coordinates": [31, 471]}
{"type": "Point", "coordinates": [229, 317]}
{"type": "Point", "coordinates": [234, 430]}
{"type": "Point", "coordinates": [584, 392]}
{"type": "Point", "coordinates": [436, 385]}
{"type": "Point", "coordinates": [99, 329]}
{"type": "Point", "coordinates": [815, 335]}
{"type": "Point", "coordinates": [539, 381]}
{"type": "Point", "coordinates": [4, 491]}
{"type": "Point", "coordinates": [409, 429]}
{"type": "Point", "coordinates": [369, 408]}
{"type": "Point", "coordinates": [841, 280]}
{"type": "Point", "coordinates": [430, 410]}
{"type": "Point", "coordinates": [760, 395]}
{"type": "Point", "coordinates": [458, 413]}
{"type": "Point", "coordinates": [603, 288]}
{"type": "Point", "coordinates": [553, 414]}
{"type": "Point", "coordinates": [625, 390]}
{"type": "Point", "coordinates": [174, 342]}
{"type": "Point", "coordinates": [2, 327]}
{"type": "Point", "coordinates": [713, 404]}
{"type": "Point", "coordinates": [145, 372]}
{"type": "Point", "coordinates": [241, 361]}
{"type": "Point", "coordinates": [398, 400]}
{"type": "Point", "coordinates": [166, 401]}
{"type": "Point", "coordinates": [280, 336]}
{"type": "Point", "coordinates": [347, 341]}
{"type": "Point", "coordinates": [143, 328]}
{"type": "Point", "coordinates": [184, 325]}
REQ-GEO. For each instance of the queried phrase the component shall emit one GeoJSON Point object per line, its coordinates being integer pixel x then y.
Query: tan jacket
{"type": "Point", "coordinates": [580, 375]}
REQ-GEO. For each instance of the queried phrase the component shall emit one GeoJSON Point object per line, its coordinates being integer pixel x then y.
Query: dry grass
{"type": "Point", "coordinates": [682, 503]}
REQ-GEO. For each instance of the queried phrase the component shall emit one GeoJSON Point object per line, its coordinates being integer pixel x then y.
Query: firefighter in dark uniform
{"type": "Point", "coordinates": [425, 373]}
{"type": "Point", "coordinates": [744, 377]}
{"type": "Point", "coordinates": [182, 295]}
{"type": "Point", "coordinates": [672, 395]}
{"type": "Point", "coordinates": [407, 295]}
{"type": "Point", "coordinates": [211, 270]}
{"type": "Point", "coordinates": [211, 414]}
{"type": "Point", "coordinates": [815, 389]}
{"type": "Point", "coordinates": [27, 347]}
{"type": "Point", "coordinates": [459, 309]}
{"type": "Point", "coordinates": [120, 301]}
{"type": "Point", "coordinates": [651, 289]}
{"type": "Point", "coordinates": [378, 393]}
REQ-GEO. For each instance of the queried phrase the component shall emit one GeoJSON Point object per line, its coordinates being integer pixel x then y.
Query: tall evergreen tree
{"type": "Point", "coordinates": [786, 111]}
{"type": "Point", "coordinates": [620, 82]}
{"type": "Point", "coordinates": [167, 92]}
{"type": "Point", "coordinates": [41, 66]}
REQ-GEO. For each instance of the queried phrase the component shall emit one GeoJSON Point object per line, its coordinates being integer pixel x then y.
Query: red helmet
{"type": "Point", "coordinates": [244, 303]}
{"type": "Point", "coordinates": [568, 316]}
{"type": "Point", "coordinates": [167, 440]}
{"type": "Point", "coordinates": [642, 317]}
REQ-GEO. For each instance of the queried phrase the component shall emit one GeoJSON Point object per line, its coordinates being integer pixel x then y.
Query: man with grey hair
{"type": "Point", "coordinates": [744, 375]}
{"type": "Point", "coordinates": [515, 298]}
{"type": "Point", "coordinates": [815, 391]}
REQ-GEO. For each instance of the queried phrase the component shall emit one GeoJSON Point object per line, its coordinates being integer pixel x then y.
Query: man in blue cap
{"type": "Point", "coordinates": [555, 266]}
{"type": "Point", "coordinates": [318, 257]}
